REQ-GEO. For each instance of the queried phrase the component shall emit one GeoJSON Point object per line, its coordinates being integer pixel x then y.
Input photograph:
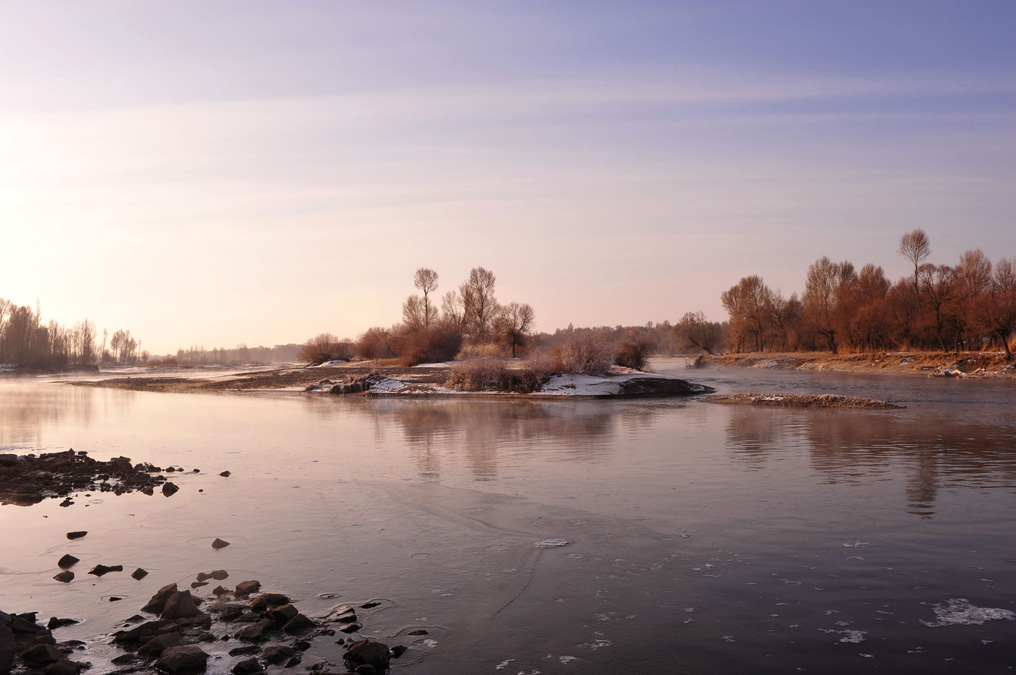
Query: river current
{"type": "Point", "coordinates": [701, 538]}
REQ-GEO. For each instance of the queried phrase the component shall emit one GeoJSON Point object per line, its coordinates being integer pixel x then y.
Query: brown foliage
{"type": "Point", "coordinates": [438, 343]}
{"type": "Point", "coordinates": [634, 349]}
{"type": "Point", "coordinates": [325, 347]}
{"type": "Point", "coordinates": [488, 374]}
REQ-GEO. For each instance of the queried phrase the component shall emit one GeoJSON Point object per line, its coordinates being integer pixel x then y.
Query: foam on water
{"type": "Point", "coordinates": [551, 543]}
{"type": "Point", "coordinates": [959, 612]}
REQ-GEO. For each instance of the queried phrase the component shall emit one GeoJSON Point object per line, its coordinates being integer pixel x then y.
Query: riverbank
{"type": "Point", "coordinates": [931, 364]}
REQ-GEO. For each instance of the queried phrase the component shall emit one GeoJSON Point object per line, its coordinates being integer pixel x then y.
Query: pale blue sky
{"type": "Point", "coordinates": [216, 172]}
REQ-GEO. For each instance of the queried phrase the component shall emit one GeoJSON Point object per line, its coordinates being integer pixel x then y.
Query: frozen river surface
{"type": "Point", "coordinates": [700, 538]}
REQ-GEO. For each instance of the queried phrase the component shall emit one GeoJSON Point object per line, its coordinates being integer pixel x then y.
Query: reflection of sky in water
{"type": "Point", "coordinates": [759, 520]}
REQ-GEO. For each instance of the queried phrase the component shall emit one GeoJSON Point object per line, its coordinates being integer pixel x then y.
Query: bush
{"type": "Point", "coordinates": [634, 350]}
{"type": "Point", "coordinates": [436, 344]}
{"type": "Point", "coordinates": [376, 343]}
{"type": "Point", "coordinates": [583, 354]}
{"type": "Point", "coordinates": [490, 374]}
{"type": "Point", "coordinates": [325, 347]}
{"type": "Point", "coordinates": [482, 350]}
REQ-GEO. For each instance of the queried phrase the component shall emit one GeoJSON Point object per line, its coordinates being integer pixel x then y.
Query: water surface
{"type": "Point", "coordinates": [702, 538]}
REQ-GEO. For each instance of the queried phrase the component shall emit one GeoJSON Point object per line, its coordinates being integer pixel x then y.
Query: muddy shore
{"type": "Point", "coordinates": [929, 364]}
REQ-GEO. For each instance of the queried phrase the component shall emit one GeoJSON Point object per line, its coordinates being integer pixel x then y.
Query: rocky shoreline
{"type": "Point", "coordinates": [244, 629]}
{"type": "Point", "coordinates": [804, 401]}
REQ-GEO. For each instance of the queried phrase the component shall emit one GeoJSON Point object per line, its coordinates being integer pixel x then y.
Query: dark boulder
{"type": "Point", "coordinates": [41, 655]}
{"type": "Point", "coordinates": [65, 577]}
{"type": "Point", "coordinates": [282, 613]}
{"type": "Point", "coordinates": [365, 652]}
{"type": "Point", "coordinates": [182, 660]}
{"type": "Point", "coordinates": [169, 489]}
{"type": "Point", "coordinates": [139, 574]}
{"type": "Point", "coordinates": [179, 605]}
{"type": "Point", "coordinates": [158, 601]}
{"type": "Point", "coordinates": [278, 654]}
{"type": "Point", "coordinates": [76, 535]}
{"type": "Point", "coordinates": [298, 624]}
{"type": "Point", "coordinates": [100, 570]}
{"type": "Point", "coordinates": [8, 649]}
{"type": "Point", "coordinates": [66, 561]}
{"type": "Point", "coordinates": [247, 667]}
{"type": "Point", "coordinates": [219, 543]}
{"type": "Point", "coordinates": [255, 632]}
{"type": "Point", "coordinates": [55, 623]}
{"type": "Point", "coordinates": [159, 644]}
{"type": "Point", "coordinates": [247, 587]}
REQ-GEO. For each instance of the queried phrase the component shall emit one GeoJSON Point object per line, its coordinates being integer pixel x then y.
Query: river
{"type": "Point", "coordinates": [701, 538]}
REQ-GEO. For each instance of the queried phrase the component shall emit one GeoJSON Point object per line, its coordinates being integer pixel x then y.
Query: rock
{"type": "Point", "coordinates": [248, 667]}
{"type": "Point", "coordinates": [63, 667]}
{"type": "Point", "coordinates": [369, 605]}
{"type": "Point", "coordinates": [365, 652]}
{"type": "Point", "coordinates": [8, 459]}
{"type": "Point", "coordinates": [65, 577]}
{"type": "Point", "coordinates": [115, 598]}
{"type": "Point", "coordinates": [182, 660]}
{"type": "Point", "coordinates": [144, 632]}
{"type": "Point", "coordinates": [247, 587]}
{"type": "Point", "coordinates": [66, 561]}
{"type": "Point", "coordinates": [266, 600]}
{"type": "Point", "coordinates": [420, 631]}
{"type": "Point", "coordinates": [225, 474]}
{"type": "Point", "coordinates": [159, 644]}
{"type": "Point", "coordinates": [170, 489]}
{"type": "Point", "coordinates": [179, 606]}
{"type": "Point", "coordinates": [298, 624]}
{"type": "Point", "coordinates": [55, 623]}
{"type": "Point", "coordinates": [41, 655]}
{"type": "Point", "coordinates": [365, 669]}
{"type": "Point", "coordinates": [219, 543]}
{"type": "Point", "coordinates": [219, 591]}
{"type": "Point", "coordinates": [76, 535]}
{"type": "Point", "coordinates": [255, 632]}
{"type": "Point", "coordinates": [100, 570]}
{"type": "Point", "coordinates": [8, 648]}
{"type": "Point", "coordinates": [66, 502]}
{"type": "Point", "coordinates": [398, 650]}
{"type": "Point", "coordinates": [158, 601]}
{"type": "Point", "coordinates": [139, 574]}
{"type": "Point", "coordinates": [124, 659]}
{"type": "Point", "coordinates": [278, 654]}
{"type": "Point", "coordinates": [342, 614]}
{"type": "Point", "coordinates": [283, 613]}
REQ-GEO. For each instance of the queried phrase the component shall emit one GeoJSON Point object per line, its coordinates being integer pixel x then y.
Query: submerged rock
{"type": "Point", "coordinates": [67, 561]}
{"type": "Point", "coordinates": [365, 652]}
{"type": "Point", "coordinates": [219, 543]}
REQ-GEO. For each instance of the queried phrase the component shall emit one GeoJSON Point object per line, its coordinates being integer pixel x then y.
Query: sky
{"type": "Point", "coordinates": [214, 173]}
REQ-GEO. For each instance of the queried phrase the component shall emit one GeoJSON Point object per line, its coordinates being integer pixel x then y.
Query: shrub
{"type": "Point", "coordinates": [490, 374]}
{"type": "Point", "coordinates": [481, 350]}
{"type": "Point", "coordinates": [634, 349]}
{"type": "Point", "coordinates": [325, 347]}
{"type": "Point", "coordinates": [440, 342]}
{"type": "Point", "coordinates": [376, 343]}
{"type": "Point", "coordinates": [584, 354]}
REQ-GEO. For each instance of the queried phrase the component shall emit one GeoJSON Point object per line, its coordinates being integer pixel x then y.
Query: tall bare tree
{"type": "Point", "coordinates": [822, 304]}
{"type": "Point", "coordinates": [426, 280]}
{"type": "Point", "coordinates": [915, 247]}
{"type": "Point", "coordinates": [479, 304]}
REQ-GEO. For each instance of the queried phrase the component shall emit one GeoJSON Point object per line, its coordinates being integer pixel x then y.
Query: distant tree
{"type": "Point", "coordinates": [997, 309]}
{"type": "Point", "coordinates": [938, 290]}
{"type": "Point", "coordinates": [452, 309]}
{"type": "Point", "coordinates": [479, 304]}
{"type": "Point", "coordinates": [124, 347]}
{"type": "Point", "coordinates": [634, 348]}
{"type": "Point", "coordinates": [973, 281]}
{"type": "Point", "coordinates": [915, 247]}
{"type": "Point", "coordinates": [694, 331]}
{"type": "Point", "coordinates": [513, 325]}
{"type": "Point", "coordinates": [747, 304]}
{"type": "Point", "coordinates": [822, 307]}
{"type": "Point", "coordinates": [426, 280]}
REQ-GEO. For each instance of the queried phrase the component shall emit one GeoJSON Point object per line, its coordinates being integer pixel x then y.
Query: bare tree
{"type": "Point", "coordinates": [426, 280]}
{"type": "Point", "coordinates": [693, 331]}
{"type": "Point", "coordinates": [997, 310]}
{"type": "Point", "coordinates": [479, 304]}
{"type": "Point", "coordinates": [915, 247]}
{"type": "Point", "coordinates": [938, 288]}
{"type": "Point", "coordinates": [823, 291]}
{"type": "Point", "coordinates": [452, 309]}
{"type": "Point", "coordinates": [414, 312]}
{"type": "Point", "coordinates": [514, 323]}
{"type": "Point", "coordinates": [746, 303]}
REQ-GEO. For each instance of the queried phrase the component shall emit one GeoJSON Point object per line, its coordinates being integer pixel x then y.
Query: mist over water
{"type": "Point", "coordinates": [702, 538]}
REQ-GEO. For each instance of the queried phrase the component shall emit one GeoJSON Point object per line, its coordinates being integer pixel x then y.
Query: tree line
{"type": "Point", "coordinates": [29, 343]}
{"type": "Point", "coordinates": [969, 306]}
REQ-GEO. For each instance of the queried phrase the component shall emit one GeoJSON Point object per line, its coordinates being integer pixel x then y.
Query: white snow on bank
{"type": "Point", "coordinates": [330, 364]}
{"type": "Point", "coordinates": [590, 385]}
{"type": "Point", "coordinates": [386, 385]}
{"type": "Point", "coordinates": [959, 612]}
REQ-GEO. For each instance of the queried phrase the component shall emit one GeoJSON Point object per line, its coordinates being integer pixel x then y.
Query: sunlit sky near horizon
{"type": "Point", "coordinates": [211, 173]}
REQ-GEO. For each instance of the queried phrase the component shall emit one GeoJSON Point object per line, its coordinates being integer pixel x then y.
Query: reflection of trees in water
{"type": "Point", "coordinates": [932, 452]}
{"type": "Point", "coordinates": [486, 429]}
{"type": "Point", "coordinates": [26, 409]}
{"type": "Point", "coordinates": [752, 433]}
